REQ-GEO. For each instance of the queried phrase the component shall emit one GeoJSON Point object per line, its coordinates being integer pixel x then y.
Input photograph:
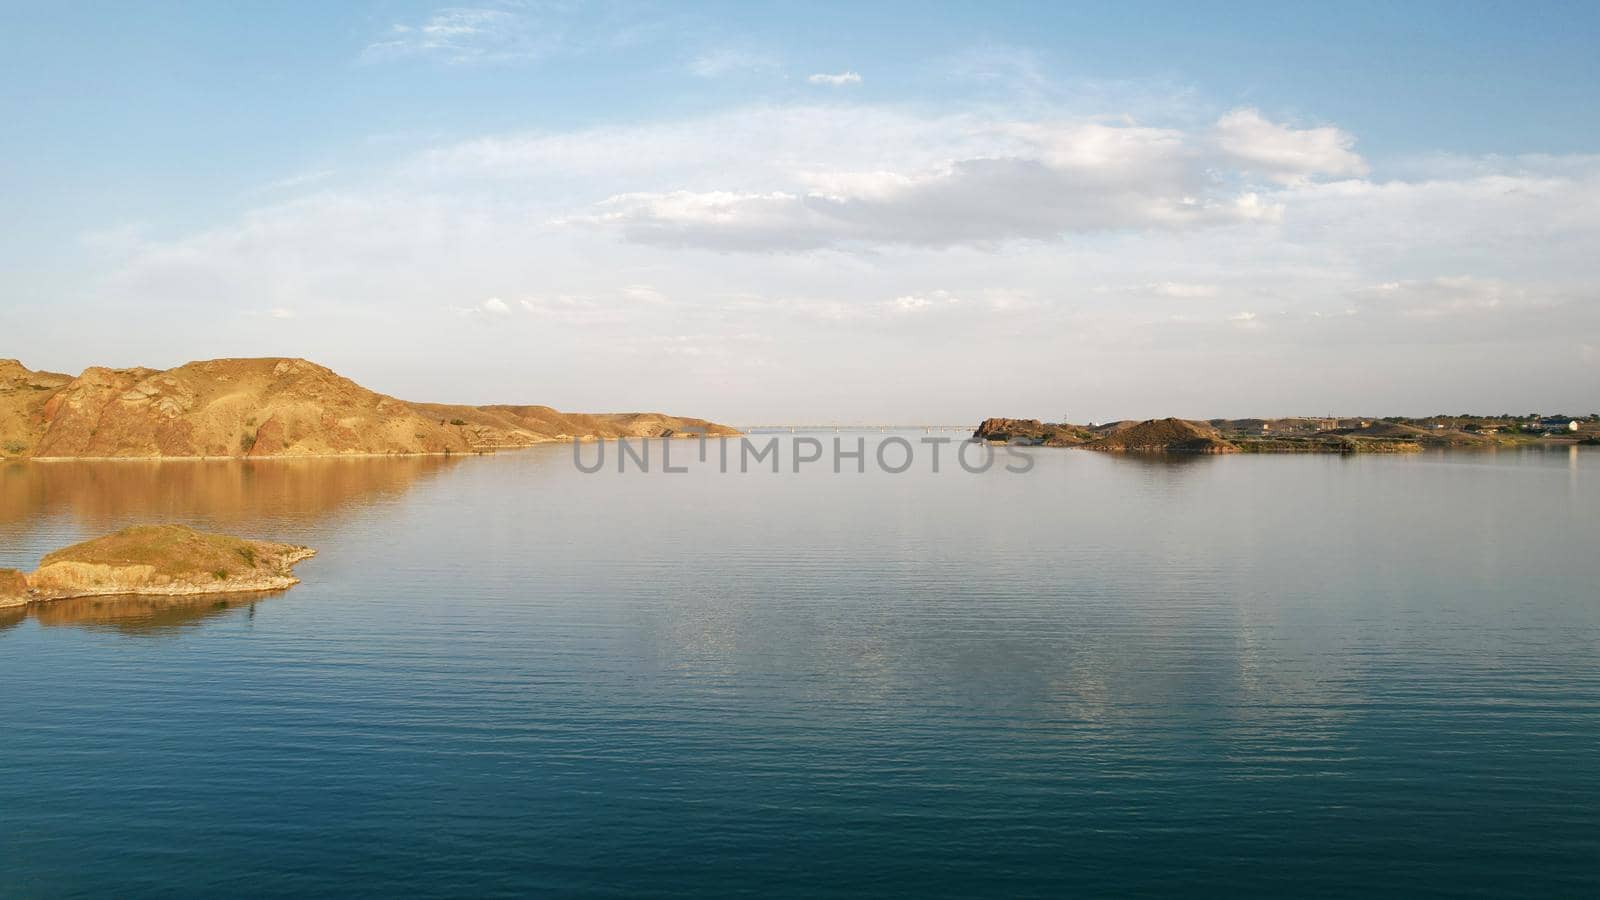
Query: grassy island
{"type": "Point", "coordinates": [167, 560]}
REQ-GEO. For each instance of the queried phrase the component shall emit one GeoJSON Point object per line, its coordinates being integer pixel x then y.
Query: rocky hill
{"type": "Point", "coordinates": [1032, 431]}
{"type": "Point", "coordinates": [1165, 435]}
{"type": "Point", "coordinates": [271, 407]}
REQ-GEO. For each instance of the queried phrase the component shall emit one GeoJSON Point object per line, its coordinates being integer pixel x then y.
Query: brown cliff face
{"type": "Point", "coordinates": [24, 394]}
{"type": "Point", "coordinates": [269, 407]}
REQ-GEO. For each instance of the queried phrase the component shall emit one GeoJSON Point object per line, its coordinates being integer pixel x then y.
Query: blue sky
{"type": "Point", "coordinates": [798, 191]}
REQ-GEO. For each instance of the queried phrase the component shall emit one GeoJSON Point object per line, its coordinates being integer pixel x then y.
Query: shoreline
{"type": "Point", "coordinates": [1245, 450]}
{"type": "Point", "coordinates": [277, 584]}
{"type": "Point", "coordinates": [484, 451]}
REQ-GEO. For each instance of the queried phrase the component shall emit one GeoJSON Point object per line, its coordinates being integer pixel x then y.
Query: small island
{"type": "Point", "coordinates": [159, 560]}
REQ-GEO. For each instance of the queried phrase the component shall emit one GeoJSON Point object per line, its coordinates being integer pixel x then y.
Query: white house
{"type": "Point", "coordinates": [1558, 423]}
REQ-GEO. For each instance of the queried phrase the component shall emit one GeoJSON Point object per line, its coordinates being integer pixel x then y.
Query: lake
{"type": "Point", "coordinates": [1132, 675]}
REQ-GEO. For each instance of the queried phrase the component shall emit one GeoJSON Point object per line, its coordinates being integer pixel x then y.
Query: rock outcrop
{"type": "Point", "coordinates": [164, 560]}
{"type": "Point", "coordinates": [1032, 431]}
{"type": "Point", "coordinates": [271, 407]}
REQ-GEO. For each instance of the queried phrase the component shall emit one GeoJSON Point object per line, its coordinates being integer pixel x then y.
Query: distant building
{"type": "Point", "coordinates": [1558, 423]}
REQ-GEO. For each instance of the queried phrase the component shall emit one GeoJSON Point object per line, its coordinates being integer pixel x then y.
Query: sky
{"type": "Point", "coordinates": [820, 212]}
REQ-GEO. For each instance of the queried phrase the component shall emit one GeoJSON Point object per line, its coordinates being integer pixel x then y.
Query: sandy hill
{"type": "Point", "coordinates": [270, 407]}
{"type": "Point", "coordinates": [1168, 435]}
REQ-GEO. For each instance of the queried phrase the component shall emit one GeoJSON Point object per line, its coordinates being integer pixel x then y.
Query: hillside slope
{"type": "Point", "coordinates": [270, 407]}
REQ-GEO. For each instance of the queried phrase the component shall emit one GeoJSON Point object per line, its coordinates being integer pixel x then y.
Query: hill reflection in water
{"type": "Point", "coordinates": [108, 493]}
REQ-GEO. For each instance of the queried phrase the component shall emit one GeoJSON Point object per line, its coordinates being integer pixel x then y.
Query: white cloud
{"type": "Point", "coordinates": [1173, 289]}
{"type": "Point", "coordinates": [493, 307]}
{"type": "Point", "coordinates": [292, 182]}
{"type": "Point", "coordinates": [1031, 180]}
{"type": "Point", "coordinates": [1285, 154]}
{"type": "Point", "coordinates": [1447, 297]}
{"type": "Point", "coordinates": [1072, 243]}
{"type": "Point", "coordinates": [850, 176]}
{"type": "Point", "coordinates": [922, 303]}
{"type": "Point", "coordinates": [1181, 290]}
{"type": "Point", "coordinates": [505, 33]}
{"type": "Point", "coordinates": [728, 60]}
{"type": "Point", "coordinates": [742, 149]}
{"type": "Point", "coordinates": [838, 80]}
{"type": "Point", "coordinates": [574, 310]}
{"type": "Point", "coordinates": [643, 293]}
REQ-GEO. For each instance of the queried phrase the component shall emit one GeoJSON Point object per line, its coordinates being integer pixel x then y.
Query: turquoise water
{"type": "Point", "coordinates": [1111, 675]}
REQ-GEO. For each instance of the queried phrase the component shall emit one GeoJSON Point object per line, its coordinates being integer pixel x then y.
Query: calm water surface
{"type": "Point", "coordinates": [1259, 675]}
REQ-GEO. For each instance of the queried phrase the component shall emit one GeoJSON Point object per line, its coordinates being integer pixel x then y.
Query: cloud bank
{"type": "Point", "coordinates": [1250, 263]}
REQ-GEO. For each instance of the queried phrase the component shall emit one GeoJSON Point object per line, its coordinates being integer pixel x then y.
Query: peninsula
{"type": "Point", "coordinates": [162, 560]}
{"type": "Point", "coordinates": [272, 407]}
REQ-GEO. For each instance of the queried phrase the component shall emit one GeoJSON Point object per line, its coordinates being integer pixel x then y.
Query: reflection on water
{"type": "Point", "coordinates": [98, 492]}
{"type": "Point", "coordinates": [1280, 675]}
{"type": "Point", "coordinates": [133, 614]}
